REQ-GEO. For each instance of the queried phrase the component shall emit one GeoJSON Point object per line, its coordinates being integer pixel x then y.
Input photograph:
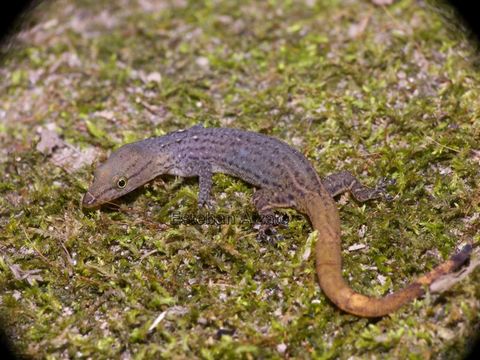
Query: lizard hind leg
{"type": "Point", "coordinates": [265, 201]}
{"type": "Point", "coordinates": [344, 181]}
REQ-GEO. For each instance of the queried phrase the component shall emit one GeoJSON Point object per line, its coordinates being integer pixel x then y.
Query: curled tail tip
{"type": "Point", "coordinates": [467, 248]}
{"type": "Point", "coordinates": [462, 256]}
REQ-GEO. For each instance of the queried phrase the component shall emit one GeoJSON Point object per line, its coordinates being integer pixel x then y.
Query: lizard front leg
{"type": "Point", "coordinates": [344, 181]}
{"type": "Point", "coordinates": [204, 172]}
{"type": "Point", "coordinates": [205, 187]}
{"type": "Point", "coordinates": [265, 200]}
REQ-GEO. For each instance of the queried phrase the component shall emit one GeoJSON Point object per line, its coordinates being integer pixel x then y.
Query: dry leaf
{"type": "Point", "coordinates": [383, 2]}
{"type": "Point", "coordinates": [476, 156]}
{"type": "Point", "coordinates": [356, 247]}
{"type": "Point", "coordinates": [30, 275]}
{"type": "Point", "coordinates": [356, 30]}
{"type": "Point", "coordinates": [447, 281]}
{"type": "Point", "coordinates": [61, 153]}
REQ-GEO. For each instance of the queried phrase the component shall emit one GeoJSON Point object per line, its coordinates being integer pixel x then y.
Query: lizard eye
{"type": "Point", "coordinates": [122, 182]}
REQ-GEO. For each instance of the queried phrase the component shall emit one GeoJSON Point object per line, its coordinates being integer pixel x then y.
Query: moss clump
{"type": "Point", "coordinates": [380, 91]}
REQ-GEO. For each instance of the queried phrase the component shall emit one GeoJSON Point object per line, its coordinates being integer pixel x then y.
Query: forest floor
{"type": "Point", "coordinates": [382, 91]}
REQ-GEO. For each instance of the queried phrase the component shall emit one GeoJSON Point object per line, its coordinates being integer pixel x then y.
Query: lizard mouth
{"type": "Point", "coordinates": [88, 200]}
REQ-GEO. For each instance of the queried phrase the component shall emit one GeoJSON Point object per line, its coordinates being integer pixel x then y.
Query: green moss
{"type": "Point", "coordinates": [398, 99]}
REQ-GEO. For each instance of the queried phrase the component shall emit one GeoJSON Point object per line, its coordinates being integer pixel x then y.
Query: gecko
{"type": "Point", "coordinates": [283, 178]}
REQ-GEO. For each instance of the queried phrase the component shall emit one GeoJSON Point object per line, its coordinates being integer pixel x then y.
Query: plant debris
{"type": "Point", "coordinates": [61, 153]}
{"type": "Point", "coordinates": [382, 91]}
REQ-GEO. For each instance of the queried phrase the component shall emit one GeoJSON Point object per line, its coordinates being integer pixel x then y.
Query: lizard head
{"type": "Point", "coordinates": [126, 169]}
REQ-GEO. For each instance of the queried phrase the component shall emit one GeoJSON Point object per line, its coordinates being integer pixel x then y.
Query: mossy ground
{"type": "Point", "coordinates": [380, 91]}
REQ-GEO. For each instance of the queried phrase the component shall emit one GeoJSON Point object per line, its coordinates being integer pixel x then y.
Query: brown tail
{"type": "Point", "coordinates": [323, 214]}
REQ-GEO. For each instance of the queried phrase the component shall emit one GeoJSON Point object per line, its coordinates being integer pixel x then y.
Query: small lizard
{"type": "Point", "coordinates": [283, 177]}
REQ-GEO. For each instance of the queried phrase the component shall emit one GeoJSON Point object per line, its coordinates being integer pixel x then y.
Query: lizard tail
{"type": "Point", "coordinates": [323, 214]}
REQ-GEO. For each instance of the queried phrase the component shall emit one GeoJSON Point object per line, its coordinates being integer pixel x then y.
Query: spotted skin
{"type": "Point", "coordinates": [284, 178]}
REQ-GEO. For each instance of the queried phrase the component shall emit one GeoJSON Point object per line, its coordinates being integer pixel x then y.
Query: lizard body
{"type": "Point", "coordinates": [283, 178]}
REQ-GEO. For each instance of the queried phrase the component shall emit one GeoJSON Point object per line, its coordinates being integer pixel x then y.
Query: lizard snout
{"type": "Point", "coordinates": [88, 200]}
